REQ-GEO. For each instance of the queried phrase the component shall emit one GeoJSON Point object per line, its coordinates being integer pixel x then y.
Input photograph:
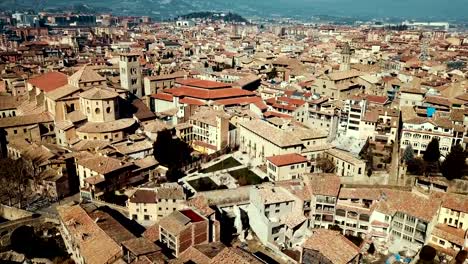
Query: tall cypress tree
{"type": "Point", "coordinates": [454, 164]}
{"type": "Point", "coordinates": [432, 153]}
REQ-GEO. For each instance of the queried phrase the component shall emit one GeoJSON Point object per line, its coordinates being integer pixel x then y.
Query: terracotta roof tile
{"type": "Point", "coordinates": [332, 245]}
{"type": "Point", "coordinates": [287, 159]}
{"type": "Point", "coordinates": [49, 81]}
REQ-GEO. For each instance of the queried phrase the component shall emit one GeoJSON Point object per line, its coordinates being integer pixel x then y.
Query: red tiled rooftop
{"type": "Point", "coordinates": [49, 81]}
{"type": "Point", "coordinates": [377, 99]}
{"type": "Point", "coordinates": [162, 96]}
{"type": "Point", "coordinates": [202, 83]}
{"type": "Point", "coordinates": [208, 94]}
{"type": "Point", "coordinates": [191, 101]}
{"type": "Point", "coordinates": [242, 100]}
{"type": "Point", "coordinates": [268, 114]}
{"type": "Point", "coordinates": [297, 102]}
{"type": "Point", "coordinates": [194, 217]}
{"type": "Point", "coordinates": [286, 159]}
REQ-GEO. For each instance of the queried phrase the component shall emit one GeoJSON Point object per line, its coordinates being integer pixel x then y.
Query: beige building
{"type": "Point", "coordinates": [209, 130]}
{"type": "Point", "coordinates": [286, 167]}
{"type": "Point", "coordinates": [100, 174]}
{"type": "Point", "coordinates": [346, 165]}
{"type": "Point", "coordinates": [261, 139]}
{"type": "Point", "coordinates": [148, 206]}
{"type": "Point", "coordinates": [338, 85]}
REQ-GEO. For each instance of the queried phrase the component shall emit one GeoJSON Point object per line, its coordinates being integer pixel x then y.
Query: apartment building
{"type": "Point", "coordinates": [276, 216]}
{"type": "Point", "coordinates": [411, 97]}
{"type": "Point", "coordinates": [100, 174]}
{"type": "Point", "coordinates": [450, 233]}
{"type": "Point", "coordinates": [286, 167]}
{"type": "Point", "coordinates": [354, 209]}
{"type": "Point", "coordinates": [338, 85]}
{"type": "Point", "coordinates": [347, 166]}
{"type": "Point", "coordinates": [366, 121]}
{"type": "Point", "coordinates": [209, 130]}
{"type": "Point", "coordinates": [182, 229]}
{"type": "Point", "coordinates": [325, 189]}
{"type": "Point", "coordinates": [419, 132]}
{"type": "Point", "coordinates": [158, 83]}
{"type": "Point", "coordinates": [148, 206]}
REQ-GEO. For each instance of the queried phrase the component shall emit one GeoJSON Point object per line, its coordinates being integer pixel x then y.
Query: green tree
{"type": "Point", "coordinates": [454, 165]}
{"type": "Point", "coordinates": [432, 153]}
{"type": "Point", "coordinates": [427, 255]}
{"type": "Point", "coordinates": [416, 166]}
{"type": "Point", "coordinates": [326, 165]}
{"type": "Point", "coordinates": [408, 154]}
{"type": "Point", "coordinates": [172, 153]}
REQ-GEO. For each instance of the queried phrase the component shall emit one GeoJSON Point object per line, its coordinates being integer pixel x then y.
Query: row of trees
{"type": "Point", "coordinates": [453, 167]}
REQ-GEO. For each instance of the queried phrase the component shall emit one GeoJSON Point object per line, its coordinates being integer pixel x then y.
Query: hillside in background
{"type": "Point", "coordinates": [215, 16]}
{"type": "Point", "coordinates": [405, 9]}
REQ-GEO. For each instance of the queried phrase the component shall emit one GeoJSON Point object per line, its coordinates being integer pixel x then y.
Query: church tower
{"type": "Point", "coordinates": [345, 58]}
{"type": "Point", "coordinates": [130, 73]}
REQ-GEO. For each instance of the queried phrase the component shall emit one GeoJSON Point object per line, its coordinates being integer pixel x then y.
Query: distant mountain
{"type": "Point", "coordinates": [405, 9]}
{"type": "Point", "coordinates": [215, 16]}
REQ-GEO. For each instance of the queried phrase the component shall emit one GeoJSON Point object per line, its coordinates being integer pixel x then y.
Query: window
{"type": "Point", "coordinates": [134, 217]}
{"type": "Point", "coordinates": [292, 167]}
{"type": "Point", "coordinates": [442, 242]}
{"type": "Point", "coordinates": [15, 132]}
{"type": "Point", "coordinates": [147, 217]}
{"type": "Point", "coordinates": [108, 109]}
{"type": "Point", "coordinates": [97, 111]}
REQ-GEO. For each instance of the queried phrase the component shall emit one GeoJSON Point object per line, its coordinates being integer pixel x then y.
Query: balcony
{"type": "Point", "coordinates": [326, 200]}
{"type": "Point", "coordinates": [419, 236]}
{"type": "Point", "coordinates": [421, 227]}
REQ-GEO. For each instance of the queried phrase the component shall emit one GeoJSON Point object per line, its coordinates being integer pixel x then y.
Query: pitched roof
{"type": "Point", "coordinates": [332, 245]}
{"type": "Point", "coordinates": [25, 120]}
{"type": "Point", "coordinates": [202, 83]}
{"type": "Point", "coordinates": [95, 245]}
{"type": "Point", "coordinates": [143, 196]}
{"type": "Point", "coordinates": [62, 92]}
{"type": "Point", "coordinates": [234, 256]}
{"type": "Point", "coordinates": [98, 94]}
{"type": "Point", "coordinates": [9, 102]}
{"type": "Point", "coordinates": [49, 81]}
{"type": "Point", "coordinates": [327, 184]}
{"type": "Point", "coordinates": [86, 74]}
{"type": "Point", "coordinates": [287, 159]}
{"type": "Point", "coordinates": [103, 165]}
{"type": "Point", "coordinates": [101, 127]}
{"type": "Point", "coordinates": [207, 94]}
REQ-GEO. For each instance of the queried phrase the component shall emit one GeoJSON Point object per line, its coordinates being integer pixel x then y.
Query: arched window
{"type": "Point", "coordinates": [97, 110]}
{"type": "Point", "coordinates": [88, 110]}
{"type": "Point", "coordinates": [108, 110]}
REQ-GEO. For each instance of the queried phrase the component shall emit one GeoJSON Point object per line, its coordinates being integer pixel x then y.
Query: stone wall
{"type": "Point", "coordinates": [12, 213]}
